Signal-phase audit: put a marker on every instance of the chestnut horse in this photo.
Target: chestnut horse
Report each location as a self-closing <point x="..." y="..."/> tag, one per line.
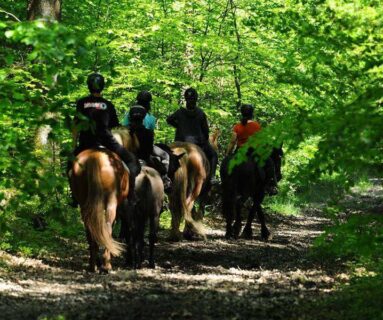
<point x="188" y="182"/>
<point x="100" y="182"/>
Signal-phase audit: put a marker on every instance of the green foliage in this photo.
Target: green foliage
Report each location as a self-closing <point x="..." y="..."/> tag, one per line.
<point x="361" y="299"/>
<point x="360" y="240"/>
<point x="312" y="69"/>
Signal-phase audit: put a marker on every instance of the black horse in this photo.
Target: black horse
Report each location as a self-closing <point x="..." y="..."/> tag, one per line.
<point x="246" y="180"/>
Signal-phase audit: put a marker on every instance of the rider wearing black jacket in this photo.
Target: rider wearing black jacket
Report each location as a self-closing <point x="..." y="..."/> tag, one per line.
<point x="94" y="120"/>
<point x="192" y="126"/>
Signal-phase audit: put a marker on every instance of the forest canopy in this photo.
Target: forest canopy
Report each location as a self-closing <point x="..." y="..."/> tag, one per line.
<point x="312" y="69"/>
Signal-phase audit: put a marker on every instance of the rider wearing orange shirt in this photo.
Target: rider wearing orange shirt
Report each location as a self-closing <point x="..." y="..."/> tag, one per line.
<point x="241" y="133"/>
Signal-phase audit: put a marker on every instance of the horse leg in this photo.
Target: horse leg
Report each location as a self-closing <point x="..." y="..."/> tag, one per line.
<point x="93" y="249"/>
<point x="110" y="217"/>
<point x="229" y="222"/>
<point x="126" y="213"/>
<point x="227" y="196"/>
<point x="188" y="232"/>
<point x="238" y="219"/>
<point x="247" y="232"/>
<point x="152" y="240"/>
<point x="265" y="233"/>
<point x="175" y="206"/>
<point x="140" y="231"/>
<point x="123" y="229"/>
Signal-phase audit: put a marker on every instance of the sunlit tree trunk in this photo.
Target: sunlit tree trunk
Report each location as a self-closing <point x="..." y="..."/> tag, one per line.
<point x="45" y="9"/>
<point x="236" y="68"/>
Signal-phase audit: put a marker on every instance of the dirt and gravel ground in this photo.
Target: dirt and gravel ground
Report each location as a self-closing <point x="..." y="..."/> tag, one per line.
<point x="217" y="279"/>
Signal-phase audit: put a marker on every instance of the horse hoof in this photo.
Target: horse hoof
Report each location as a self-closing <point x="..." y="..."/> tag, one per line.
<point x="266" y="235"/>
<point x="188" y="235"/>
<point x="174" y="238"/>
<point x="228" y="235"/>
<point x="247" y="234"/>
<point x="104" y="271"/>
<point x="91" y="269"/>
<point x="237" y="230"/>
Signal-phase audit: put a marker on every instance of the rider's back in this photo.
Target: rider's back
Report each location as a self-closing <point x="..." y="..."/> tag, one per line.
<point x="102" y="116"/>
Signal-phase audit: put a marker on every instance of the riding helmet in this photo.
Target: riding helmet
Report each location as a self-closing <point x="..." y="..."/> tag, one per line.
<point x="144" y="96"/>
<point x="137" y="113"/>
<point x="191" y="94"/>
<point x="247" y="111"/>
<point x="96" y="82"/>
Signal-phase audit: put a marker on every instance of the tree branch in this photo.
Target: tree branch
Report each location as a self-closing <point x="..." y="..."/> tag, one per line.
<point x="10" y="14"/>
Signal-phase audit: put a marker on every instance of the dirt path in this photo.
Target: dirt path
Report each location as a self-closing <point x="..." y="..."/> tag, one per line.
<point x="193" y="280"/>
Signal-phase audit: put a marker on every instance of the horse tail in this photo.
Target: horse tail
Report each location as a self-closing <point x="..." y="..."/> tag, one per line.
<point x="94" y="209"/>
<point x="145" y="194"/>
<point x="193" y="183"/>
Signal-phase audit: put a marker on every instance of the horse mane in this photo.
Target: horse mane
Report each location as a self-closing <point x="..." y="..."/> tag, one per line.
<point x="128" y="141"/>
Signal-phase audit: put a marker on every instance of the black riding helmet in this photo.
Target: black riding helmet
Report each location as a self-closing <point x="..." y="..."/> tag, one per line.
<point x="191" y="94"/>
<point x="137" y="114"/>
<point x="95" y="82"/>
<point x="247" y="111"/>
<point x="144" y="98"/>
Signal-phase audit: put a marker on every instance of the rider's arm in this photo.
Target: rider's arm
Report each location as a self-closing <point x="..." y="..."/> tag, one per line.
<point x="74" y="128"/>
<point x="173" y="119"/>
<point x="74" y="136"/>
<point x="113" y="120"/>
<point x="125" y="121"/>
<point x="205" y="127"/>
<point x="232" y="143"/>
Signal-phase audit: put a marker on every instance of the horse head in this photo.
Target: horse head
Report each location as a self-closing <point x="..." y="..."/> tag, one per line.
<point x="126" y="139"/>
<point x="213" y="138"/>
<point x="277" y="155"/>
<point x="174" y="164"/>
<point x="174" y="159"/>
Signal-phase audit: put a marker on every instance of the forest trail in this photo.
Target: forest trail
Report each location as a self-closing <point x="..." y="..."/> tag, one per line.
<point x="217" y="279"/>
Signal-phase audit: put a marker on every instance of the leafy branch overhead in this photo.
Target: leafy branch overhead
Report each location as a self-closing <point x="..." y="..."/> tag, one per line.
<point x="312" y="69"/>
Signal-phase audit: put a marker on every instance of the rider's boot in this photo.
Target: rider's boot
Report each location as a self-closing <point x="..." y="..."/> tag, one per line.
<point x="167" y="183"/>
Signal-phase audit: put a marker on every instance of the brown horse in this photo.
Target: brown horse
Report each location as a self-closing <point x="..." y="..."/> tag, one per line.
<point x="99" y="183"/>
<point x="188" y="182"/>
<point x="150" y="196"/>
<point x="123" y="137"/>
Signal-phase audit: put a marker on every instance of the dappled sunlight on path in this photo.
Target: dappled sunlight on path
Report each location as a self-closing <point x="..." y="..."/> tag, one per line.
<point x="209" y="279"/>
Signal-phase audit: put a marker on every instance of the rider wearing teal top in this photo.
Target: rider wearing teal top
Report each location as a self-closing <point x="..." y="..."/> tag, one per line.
<point x="149" y="121"/>
<point x="143" y="99"/>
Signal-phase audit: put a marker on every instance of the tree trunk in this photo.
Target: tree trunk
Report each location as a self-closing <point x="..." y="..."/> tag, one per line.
<point x="236" y="68"/>
<point x="45" y="9"/>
